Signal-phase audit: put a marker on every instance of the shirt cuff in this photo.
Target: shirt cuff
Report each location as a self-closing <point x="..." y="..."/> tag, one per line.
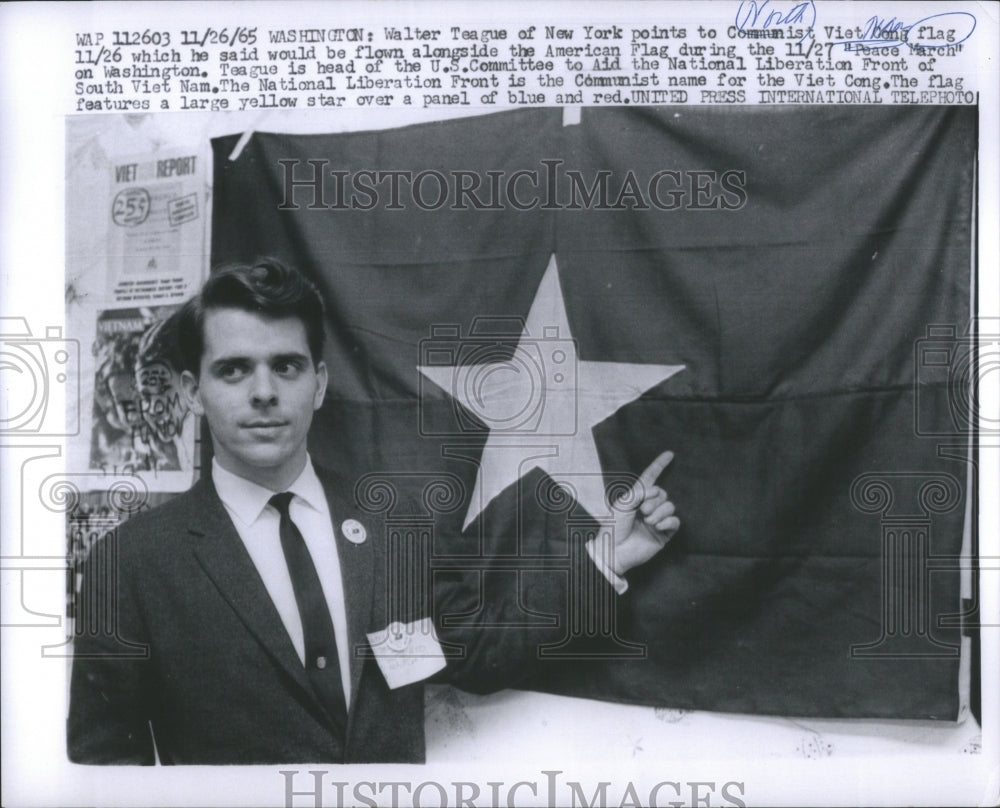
<point x="619" y="583"/>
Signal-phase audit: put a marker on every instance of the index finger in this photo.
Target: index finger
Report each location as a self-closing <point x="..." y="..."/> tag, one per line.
<point x="655" y="469"/>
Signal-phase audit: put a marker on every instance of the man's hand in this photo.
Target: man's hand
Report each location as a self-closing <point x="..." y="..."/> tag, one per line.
<point x="644" y="520"/>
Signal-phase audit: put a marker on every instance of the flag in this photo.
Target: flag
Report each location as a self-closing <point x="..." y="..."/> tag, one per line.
<point x="522" y="315"/>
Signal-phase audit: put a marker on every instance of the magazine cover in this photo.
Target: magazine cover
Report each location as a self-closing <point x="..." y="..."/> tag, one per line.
<point x="140" y="418"/>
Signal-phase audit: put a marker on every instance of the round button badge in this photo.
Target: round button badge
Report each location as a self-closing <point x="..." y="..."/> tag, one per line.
<point x="354" y="531"/>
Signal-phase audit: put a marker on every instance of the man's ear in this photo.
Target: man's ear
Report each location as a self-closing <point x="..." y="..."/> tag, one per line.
<point x="192" y="392"/>
<point x="322" y="378"/>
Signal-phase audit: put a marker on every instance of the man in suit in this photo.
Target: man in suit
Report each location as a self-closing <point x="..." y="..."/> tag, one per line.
<point x="246" y="620"/>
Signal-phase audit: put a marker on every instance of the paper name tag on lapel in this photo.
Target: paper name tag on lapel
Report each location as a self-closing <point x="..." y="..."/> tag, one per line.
<point x="407" y="652"/>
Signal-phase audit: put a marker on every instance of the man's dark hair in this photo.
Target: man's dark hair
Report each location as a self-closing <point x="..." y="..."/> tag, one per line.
<point x="266" y="287"/>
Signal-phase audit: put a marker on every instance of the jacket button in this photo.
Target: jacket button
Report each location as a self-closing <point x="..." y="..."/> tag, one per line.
<point x="321" y="662"/>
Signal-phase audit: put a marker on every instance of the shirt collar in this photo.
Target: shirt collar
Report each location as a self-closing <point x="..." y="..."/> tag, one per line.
<point x="247" y="500"/>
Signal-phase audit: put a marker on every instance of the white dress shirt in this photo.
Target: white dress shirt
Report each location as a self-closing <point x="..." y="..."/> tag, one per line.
<point x="257" y="524"/>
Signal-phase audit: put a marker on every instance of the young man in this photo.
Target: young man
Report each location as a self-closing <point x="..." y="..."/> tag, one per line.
<point x="251" y="622"/>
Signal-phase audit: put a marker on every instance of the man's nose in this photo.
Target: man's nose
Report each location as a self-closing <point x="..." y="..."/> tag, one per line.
<point x="263" y="391"/>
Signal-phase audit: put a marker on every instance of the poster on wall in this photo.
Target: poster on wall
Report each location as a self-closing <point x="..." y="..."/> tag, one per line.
<point x="156" y="224"/>
<point x="141" y="423"/>
<point x="138" y="224"/>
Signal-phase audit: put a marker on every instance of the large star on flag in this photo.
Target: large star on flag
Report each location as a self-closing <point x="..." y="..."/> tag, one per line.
<point x="541" y="404"/>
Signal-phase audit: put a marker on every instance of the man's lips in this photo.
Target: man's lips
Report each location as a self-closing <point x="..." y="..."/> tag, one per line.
<point x="264" y="424"/>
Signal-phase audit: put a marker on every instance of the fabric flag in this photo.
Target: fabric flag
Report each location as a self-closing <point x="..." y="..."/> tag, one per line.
<point x="779" y="296"/>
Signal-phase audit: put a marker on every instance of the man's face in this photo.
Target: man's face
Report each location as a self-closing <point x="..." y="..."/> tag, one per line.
<point x="258" y="390"/>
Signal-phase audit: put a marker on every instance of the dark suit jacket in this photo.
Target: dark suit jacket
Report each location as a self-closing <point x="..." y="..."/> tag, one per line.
<point x="177" y="634"/>
<point x="202" y="656"/>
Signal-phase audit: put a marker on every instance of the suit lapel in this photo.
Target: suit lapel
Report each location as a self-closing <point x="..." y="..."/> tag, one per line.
<point x="357" y="569"/>
<point x="223" y="556"/>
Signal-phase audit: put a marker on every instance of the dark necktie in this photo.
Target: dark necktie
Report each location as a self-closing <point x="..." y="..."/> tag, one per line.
<point x="322" y="661"/>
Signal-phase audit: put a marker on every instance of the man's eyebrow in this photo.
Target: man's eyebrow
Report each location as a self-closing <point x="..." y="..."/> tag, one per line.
<point x="292" y="356"/>
<point x="244" y="361"/>
<point x="224" y="361"/>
